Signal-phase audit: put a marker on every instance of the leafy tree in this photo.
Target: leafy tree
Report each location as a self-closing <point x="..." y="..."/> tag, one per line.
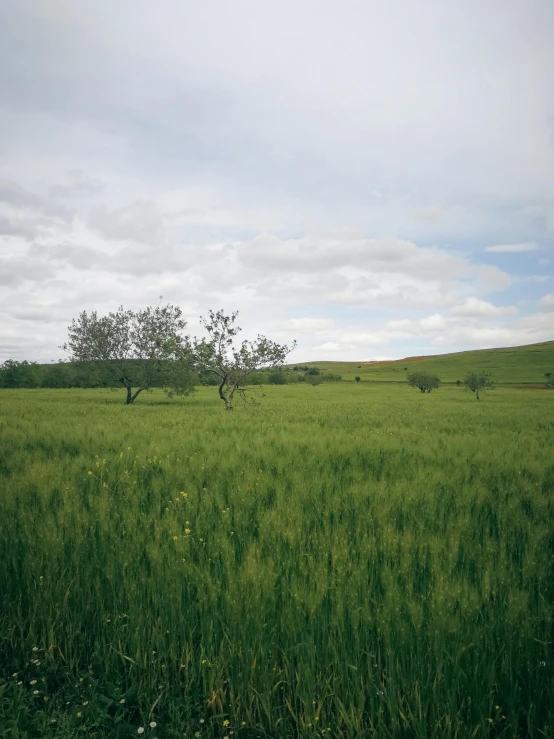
<point x="331" y="377"/>
<point x="313" y="371"/>
<point x="549" y="379"/>
<point x="230" y="362"/>
<point x="458" y="383"/>
<point x="425" y="381"/>
<point x="14" y="374"/>
<point x="277" y="378"/>
<point x="313" y="380"/>
<point x="477" y="382"/>
<point x="256" y="378"/>
<point x="139" y="349"/>
<point x="357" y="378"/>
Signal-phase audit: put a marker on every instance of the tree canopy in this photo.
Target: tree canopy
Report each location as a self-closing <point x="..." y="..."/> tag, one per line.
<point x="139" y="348"/>
<point x="478" y="381"/>
<point x="231" y="362"/>
<point x="425" y="381"/>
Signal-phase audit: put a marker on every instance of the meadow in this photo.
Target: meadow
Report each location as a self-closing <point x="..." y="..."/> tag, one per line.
<point x="515" y="365"/>
<point x="338" y="561"/>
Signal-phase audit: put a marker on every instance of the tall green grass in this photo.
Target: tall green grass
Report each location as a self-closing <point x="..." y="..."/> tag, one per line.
<point x="342" y="561"/>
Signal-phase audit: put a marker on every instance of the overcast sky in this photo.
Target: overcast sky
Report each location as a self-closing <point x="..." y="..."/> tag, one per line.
<point x="373" y="178"/>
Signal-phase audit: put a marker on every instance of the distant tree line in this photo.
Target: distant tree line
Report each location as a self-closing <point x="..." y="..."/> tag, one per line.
<point x="23" y="374"/>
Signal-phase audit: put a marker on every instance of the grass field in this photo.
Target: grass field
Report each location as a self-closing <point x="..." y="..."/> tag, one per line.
<point x="341" y="561"/>
<point x="513" y="365"/>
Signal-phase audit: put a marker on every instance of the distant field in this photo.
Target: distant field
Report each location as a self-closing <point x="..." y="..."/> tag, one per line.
<point x="343" y="561"/>
<point x="520" y="364"/>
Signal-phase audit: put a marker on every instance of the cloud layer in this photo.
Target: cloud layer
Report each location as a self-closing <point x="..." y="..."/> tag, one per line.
<point x="374" y="179"/>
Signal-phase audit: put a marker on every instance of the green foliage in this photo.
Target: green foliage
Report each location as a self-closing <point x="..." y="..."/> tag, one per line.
<point x="331" y="377"/>
<point x="425" y="381"/>
<point x="256" y="378"/>
<point x="357" y="378"/>
<point x="549" y="376"/>
<point x="140" y="349"/>
<point x="363" y="563"/>
<point x="277" y="377"/>
<point x="230" y="362"/>
<point x="477" y="382"/>
<point x="15" y="374"/>
<point x="313" y="380"/>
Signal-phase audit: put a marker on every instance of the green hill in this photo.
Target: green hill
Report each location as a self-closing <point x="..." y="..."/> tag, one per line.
<point x="515" y="364"/>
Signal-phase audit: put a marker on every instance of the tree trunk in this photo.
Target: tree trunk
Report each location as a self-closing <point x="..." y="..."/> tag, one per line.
<point x="227" y="399"/>
<point x="130" y="397"/>
<point x="136" y="393"/>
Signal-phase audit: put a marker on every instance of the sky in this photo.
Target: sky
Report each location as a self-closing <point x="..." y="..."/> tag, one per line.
<point x="373" y="179"/>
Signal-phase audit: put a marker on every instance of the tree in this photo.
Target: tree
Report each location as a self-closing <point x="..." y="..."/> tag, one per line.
<point x="357" y="378"/>
<point x="277" y="378"/>
<point x="14" y="374"/>
<point x="549" y="379"/>
<point x="313" y="380"/>
<point x="231" y="363"/>
<point x="425" y="381"/>
<point x="458" y="383"/>
<point x="478" y="382"/>
<point x="140" y="349"/>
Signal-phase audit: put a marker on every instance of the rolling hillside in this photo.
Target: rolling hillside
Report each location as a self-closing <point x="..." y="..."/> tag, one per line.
<point x="515" y="365"/>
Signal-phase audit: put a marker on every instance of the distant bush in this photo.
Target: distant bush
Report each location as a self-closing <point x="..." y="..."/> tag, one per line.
<point x="277" y="378"/>
<point x="313" y="380"/>
<point x="357" y="379"/>
<point x="258" y="378"/>
<point x="425" y="381"/>
<point x="477" y="382"/>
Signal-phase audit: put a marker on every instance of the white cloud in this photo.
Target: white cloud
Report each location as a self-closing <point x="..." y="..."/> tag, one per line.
<point x="493" y="278"/>
<point x="435" y="322"/>
<point x="475" y="308"/>
<point x="144" y="153"/>
<point x="354" y="341"/>
<point x="546" y="303"/>
<point x="513" y="248"/>
<point x="309" y="324"/>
